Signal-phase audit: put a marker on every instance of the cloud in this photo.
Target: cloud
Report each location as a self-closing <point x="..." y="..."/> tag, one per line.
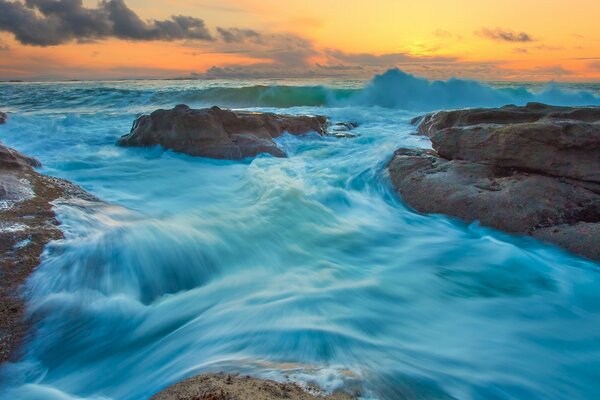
<point x="237" y="35"/>
<point x="54" y="22"/>
<point x="283" y="49"/>
<point x="504" y="35"/>
<point x="442" y="33"/>
<point x="541" y="47"/>
<point x="538" y="73"/>
<point x="595" y="66"/>
<point x="555" y="70"/>
<point x="387" y="60"/>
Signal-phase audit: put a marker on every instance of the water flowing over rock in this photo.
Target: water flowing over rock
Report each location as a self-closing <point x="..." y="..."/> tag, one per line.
<point x="233" y="387"/>
<point x="27" y="224"/>
<point x="218" y="133"/>
<point x="530" y="170"/>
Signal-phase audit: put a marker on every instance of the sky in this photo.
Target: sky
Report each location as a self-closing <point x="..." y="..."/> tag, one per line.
<point x="512" y="40"/>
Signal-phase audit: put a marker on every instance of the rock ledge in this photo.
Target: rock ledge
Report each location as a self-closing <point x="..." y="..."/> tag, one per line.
<point x="218" y="133"/>
<point x="531" y="170"/>
<point x="27" y="224"/>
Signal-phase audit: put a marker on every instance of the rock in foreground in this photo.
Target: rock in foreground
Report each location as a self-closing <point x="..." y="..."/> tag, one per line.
<point x="27" y="224"/>
<point x="531" y="170"/>
<point x="218" y="133"/>
<point x="229" y="387"/>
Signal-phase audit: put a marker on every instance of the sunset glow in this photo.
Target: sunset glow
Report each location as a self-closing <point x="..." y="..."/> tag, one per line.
<point x="480" y="39"/>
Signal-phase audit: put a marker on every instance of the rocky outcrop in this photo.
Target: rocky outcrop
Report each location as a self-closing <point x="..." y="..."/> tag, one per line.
<point x="27" y="224"/>
<point x="530" y="170"/>
<point x="558" y="141"/>
<point x="3" y="118"/>
<point x="235" y="387"/>
<point x="218" y="133"/>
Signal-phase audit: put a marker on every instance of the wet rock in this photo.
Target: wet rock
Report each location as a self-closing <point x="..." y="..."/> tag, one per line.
<point x="557" y="141"/>
<point x="344" y="126"/>
<point x="235" y="387"/>
<point x="27" y="224"/>
<point x="531" y="170"/>
<point x="3" y="117"/>
<point x="218" y="133"/>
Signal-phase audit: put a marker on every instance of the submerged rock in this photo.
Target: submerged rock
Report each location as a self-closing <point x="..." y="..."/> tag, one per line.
<point x="234" y="387"/>
<point x="218" y="133"/>
<point x="27" y="224"/>
<point x="531" y="170"/>
<point x="3" y="118"/>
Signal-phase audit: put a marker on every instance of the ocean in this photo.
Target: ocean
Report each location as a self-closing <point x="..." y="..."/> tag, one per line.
<point x="307" y="268"/>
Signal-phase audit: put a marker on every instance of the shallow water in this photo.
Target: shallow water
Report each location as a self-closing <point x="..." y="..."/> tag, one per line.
<point x="307" y="268"/>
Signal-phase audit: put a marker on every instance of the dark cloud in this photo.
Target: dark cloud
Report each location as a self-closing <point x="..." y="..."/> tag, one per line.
<point x="283" y="49"/>
<point x="54" y="22"/>
<point x="504" y="35"/>
<point x="236" y="35"/>
<point x="257" y="71"/>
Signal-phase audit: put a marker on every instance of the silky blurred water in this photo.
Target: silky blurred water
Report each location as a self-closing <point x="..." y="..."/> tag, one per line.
<point x="307" y="268"/>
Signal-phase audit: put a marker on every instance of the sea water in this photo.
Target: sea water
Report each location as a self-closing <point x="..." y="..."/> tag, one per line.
<point x="307" y="268"/>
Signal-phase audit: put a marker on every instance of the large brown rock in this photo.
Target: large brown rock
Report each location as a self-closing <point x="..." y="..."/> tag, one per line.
<point x="557" y="141"/>
<point x="27" y="224"/>
<point x="531" y="170"/>
<point x="218" y="133"/>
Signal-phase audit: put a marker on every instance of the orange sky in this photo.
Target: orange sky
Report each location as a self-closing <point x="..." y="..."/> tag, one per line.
<point x="481" y="39"/>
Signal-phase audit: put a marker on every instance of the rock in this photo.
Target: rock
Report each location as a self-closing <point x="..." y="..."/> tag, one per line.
<point x="513" y="202"/>
<point x="233" y="387"/>
<point x="531" y="170"/>
<point x="218" y="133"/>
<point x="27" y="224"/>
<point x="581" y="238"/>
<point x="557" y="141"/>
<point x="344" y="126"/>
<point x="342" y="130"/>
<point x="3" y="118"/>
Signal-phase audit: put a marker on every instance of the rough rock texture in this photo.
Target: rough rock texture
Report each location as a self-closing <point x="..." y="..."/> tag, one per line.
<point x="3" y="117"/>
<point x="531" y="170"/>
<point x="218" y="133"/>
<point x="558" y="141"/>
<point x="232" y="387"/>
<point x="27" y="224"/>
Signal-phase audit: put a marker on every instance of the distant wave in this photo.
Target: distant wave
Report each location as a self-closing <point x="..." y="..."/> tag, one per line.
<point x="392" y="89"/>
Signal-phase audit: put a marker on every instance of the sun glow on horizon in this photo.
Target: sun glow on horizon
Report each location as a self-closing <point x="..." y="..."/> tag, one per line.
<point x="512" y="40"/>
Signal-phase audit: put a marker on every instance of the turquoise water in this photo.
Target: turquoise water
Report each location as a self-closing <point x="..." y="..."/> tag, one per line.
<point x="307" y="268"/>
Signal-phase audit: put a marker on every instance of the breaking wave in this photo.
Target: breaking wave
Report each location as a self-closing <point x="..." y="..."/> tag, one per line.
<point x="393" y="89"/>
